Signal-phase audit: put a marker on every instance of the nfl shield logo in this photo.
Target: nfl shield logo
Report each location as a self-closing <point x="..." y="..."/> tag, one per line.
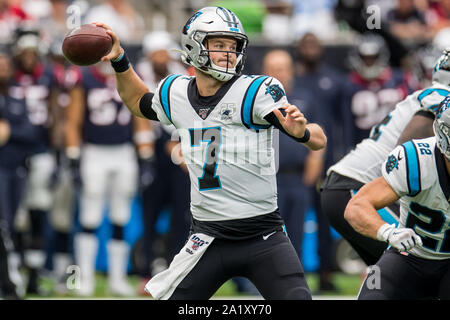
<point x="203" y="113"/>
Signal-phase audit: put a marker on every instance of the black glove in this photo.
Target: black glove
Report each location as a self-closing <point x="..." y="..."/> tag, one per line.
<point x="147" y="172"/>
<point x="74" y="167"/>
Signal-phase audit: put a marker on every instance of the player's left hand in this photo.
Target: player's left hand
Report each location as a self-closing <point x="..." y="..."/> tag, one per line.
<point x="294" y="122"/>
<point x="402" y="239"/>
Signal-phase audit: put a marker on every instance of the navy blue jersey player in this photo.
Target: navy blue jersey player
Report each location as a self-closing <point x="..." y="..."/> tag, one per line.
<point x="100" y="132"/>
<point x="374" y="88"/>
<point x="33" y="81"/>
<point x="17" y="135"/>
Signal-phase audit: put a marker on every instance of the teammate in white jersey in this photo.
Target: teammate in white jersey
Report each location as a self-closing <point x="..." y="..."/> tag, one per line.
<point x="417" y="173"/>
<point x="412" y="118"/>
<point x="225" y="123"/>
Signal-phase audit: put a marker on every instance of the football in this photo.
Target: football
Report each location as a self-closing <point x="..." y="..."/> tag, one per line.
<point x="86" y="45"/>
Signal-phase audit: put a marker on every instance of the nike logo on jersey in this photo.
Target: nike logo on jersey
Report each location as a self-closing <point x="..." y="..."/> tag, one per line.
<point x="268" y="83"/>
<point x="268" y="235"/>
<point x="398" y="157"/>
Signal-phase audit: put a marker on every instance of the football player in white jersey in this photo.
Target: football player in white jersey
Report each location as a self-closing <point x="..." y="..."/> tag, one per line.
<point x="225" y="121"/>
<point x="417" y="173"/>
<point x="412" y="118"/>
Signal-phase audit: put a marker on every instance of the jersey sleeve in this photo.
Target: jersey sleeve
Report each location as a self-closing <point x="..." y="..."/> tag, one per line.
<point x="270" y="95"/>
<point x="430" y="98"/>
<point x="161" y="100"/>
<point x="402" y="170"/>
<point x="394" y="171"/>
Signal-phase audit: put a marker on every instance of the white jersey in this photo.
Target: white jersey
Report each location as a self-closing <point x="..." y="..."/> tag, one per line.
<point x="416" y="171"/>
<point x="363" y="163"/>
<point x="228" y="151"/>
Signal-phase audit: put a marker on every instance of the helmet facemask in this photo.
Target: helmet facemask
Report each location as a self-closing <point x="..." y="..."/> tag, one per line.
<point x="371" y="47"/>
<point x="225" y="73"/>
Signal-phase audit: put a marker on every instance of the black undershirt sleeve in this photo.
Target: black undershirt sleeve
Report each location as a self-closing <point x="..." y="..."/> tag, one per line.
<point x="145" y="105"/>
<point x="273" y="120"/>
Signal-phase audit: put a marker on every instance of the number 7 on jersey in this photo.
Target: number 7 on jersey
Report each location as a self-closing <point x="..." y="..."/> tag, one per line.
<point x="213" y="136"/>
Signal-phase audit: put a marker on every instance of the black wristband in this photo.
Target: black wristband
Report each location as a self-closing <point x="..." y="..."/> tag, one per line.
<point x="122" y="64"/>
<point x="305" y="138"/>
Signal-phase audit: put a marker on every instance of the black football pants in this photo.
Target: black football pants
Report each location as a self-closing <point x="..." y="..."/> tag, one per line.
<point x="333" y="206"/>
<point x="400" y="277"/>
<point x="272" y="265"/>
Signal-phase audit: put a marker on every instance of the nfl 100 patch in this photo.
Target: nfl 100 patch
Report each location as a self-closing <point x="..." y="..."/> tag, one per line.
<point x="391" y="164"/>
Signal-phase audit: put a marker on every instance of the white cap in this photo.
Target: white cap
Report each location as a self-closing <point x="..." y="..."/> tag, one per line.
<point x="442" y="39"/>
<point x="159" y="40"/>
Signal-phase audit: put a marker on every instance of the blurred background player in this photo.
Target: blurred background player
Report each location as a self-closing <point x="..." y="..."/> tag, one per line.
<point x="412" y="118"/>
<point x="120" y="15"/>
<point x="374" y="86"/>
<point x="17" y="136"/>
<point x="169" y="188"/>
<point x="99" y="145"/>
<point x="11" y="16"/>
<point x="325" y="84"/>
<point x="61" y="215"/>
<point x="295" y="172"/>
<point x="54" y="26"/>
<point x="33" y="81"/>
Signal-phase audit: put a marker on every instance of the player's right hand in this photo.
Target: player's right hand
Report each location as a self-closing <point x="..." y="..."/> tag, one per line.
<point x="116" y="50"/>
<point x="403" y="239"/>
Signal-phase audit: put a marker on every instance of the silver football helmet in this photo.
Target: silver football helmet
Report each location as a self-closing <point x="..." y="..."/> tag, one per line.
<point x="441" y="71"/>
<point x="208" y="22"/>
<point x="370" y="56"/>
<point x="441" y="127"/>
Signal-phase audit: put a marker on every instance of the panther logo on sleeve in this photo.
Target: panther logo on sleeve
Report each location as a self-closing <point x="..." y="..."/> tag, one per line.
<point x="275" y="91"/>
<point x="391" y="164"/>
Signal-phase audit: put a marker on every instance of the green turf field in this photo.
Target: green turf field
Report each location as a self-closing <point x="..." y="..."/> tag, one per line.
<point x="347" y="285"/>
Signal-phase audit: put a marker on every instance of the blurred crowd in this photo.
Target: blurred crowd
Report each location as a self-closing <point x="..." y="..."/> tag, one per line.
<point x="69" y="148"/>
